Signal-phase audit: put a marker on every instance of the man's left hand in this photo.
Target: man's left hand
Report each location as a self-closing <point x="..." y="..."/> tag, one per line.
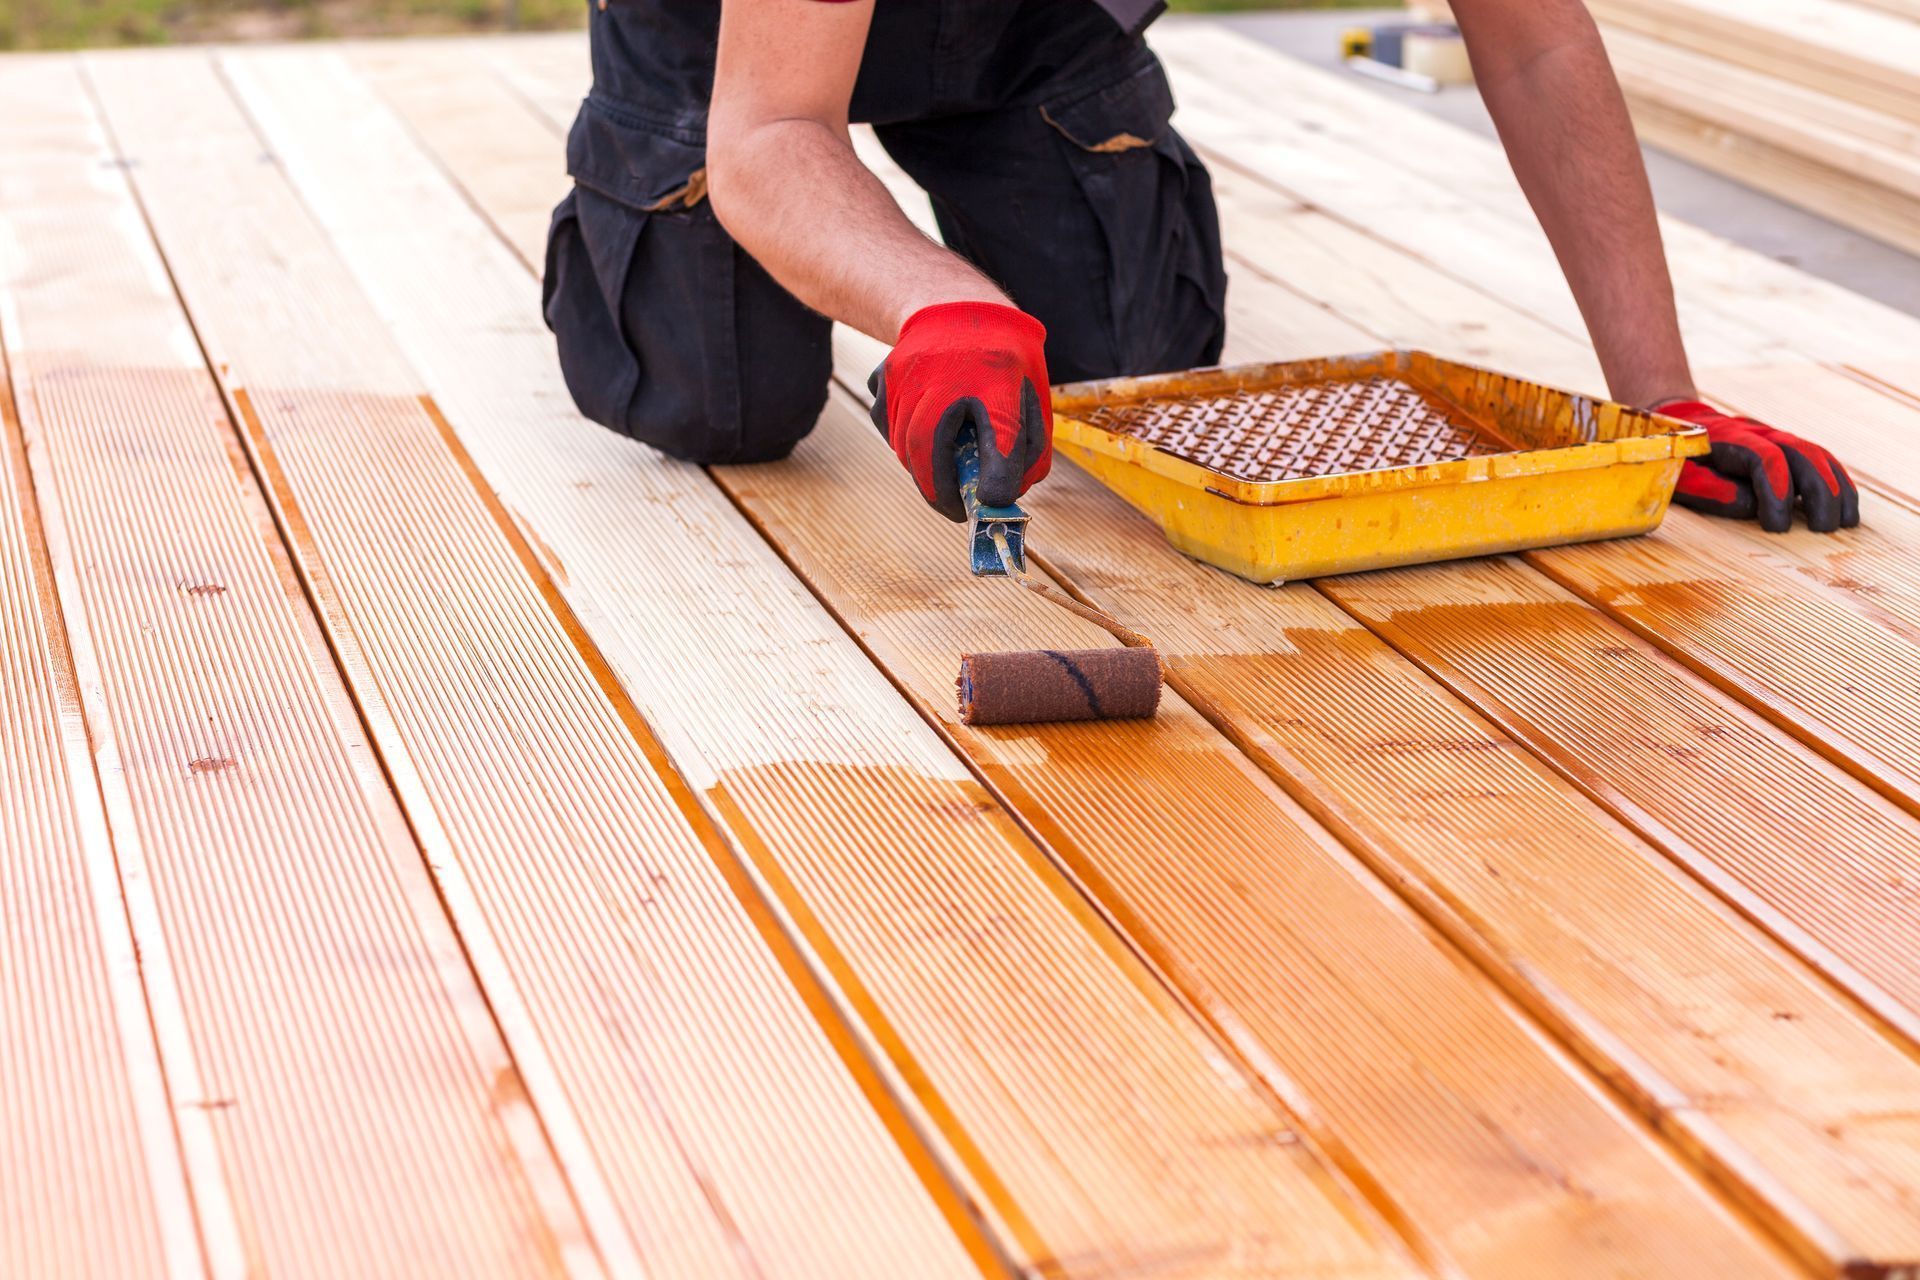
<point x="1756" y="471"/>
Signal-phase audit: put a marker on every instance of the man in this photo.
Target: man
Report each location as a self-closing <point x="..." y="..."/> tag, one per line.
<point x="720" y="220"/>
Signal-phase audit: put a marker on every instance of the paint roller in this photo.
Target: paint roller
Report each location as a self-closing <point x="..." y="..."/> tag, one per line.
<point x="1041" y="685"/>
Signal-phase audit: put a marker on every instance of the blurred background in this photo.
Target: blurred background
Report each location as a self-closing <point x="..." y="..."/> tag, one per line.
<point x="68" y="24"/>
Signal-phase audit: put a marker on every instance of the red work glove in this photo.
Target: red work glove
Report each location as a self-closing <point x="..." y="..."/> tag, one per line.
<point x="961" y="364"/>
<point x="1755" y="470"/>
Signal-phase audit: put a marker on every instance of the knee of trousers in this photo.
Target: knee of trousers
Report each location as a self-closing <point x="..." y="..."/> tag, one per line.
<point x="669" y="333"/>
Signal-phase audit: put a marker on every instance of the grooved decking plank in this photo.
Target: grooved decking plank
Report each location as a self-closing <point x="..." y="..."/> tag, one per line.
<point x="1399" y="301"/>
<point x="1657" y="987"/>
<point x="1811" y="852"/>
<point x="1102" y="1129"/>
<point x="1881" y="581"/>
<point x="1833" y="665"/>
<point x="1449" y="196"/>
<point x="1798" y="653"/>
<point x="92" y="1180"/>
<point x="1401" y="1052"/>
<point x="1820" y="1205"/>
<point x="1169" y="852"/>
<point x="357" y="1110"/>
<point x="689" y="1086"/>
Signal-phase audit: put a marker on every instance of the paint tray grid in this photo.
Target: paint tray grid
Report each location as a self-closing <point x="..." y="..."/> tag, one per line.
<point x="1306" y="429"/>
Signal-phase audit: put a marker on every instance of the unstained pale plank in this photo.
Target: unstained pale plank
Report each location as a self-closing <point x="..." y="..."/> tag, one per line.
<point x="239" y="785"/>
<point x="92" y="1179"/>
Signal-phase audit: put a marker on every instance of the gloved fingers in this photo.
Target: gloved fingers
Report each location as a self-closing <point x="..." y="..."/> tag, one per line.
<point x="1760" y="465"/>
<point x="877" y="385"/>
<point x="1827" y="495"/>
<point x="1018" y="451"/>
<point x="1819" y="495"/>
<point x="935" y="464"/>
<point x="1849" y="497"/>
<point x="1036" y="418"/>
<point x="1706" y="490"/>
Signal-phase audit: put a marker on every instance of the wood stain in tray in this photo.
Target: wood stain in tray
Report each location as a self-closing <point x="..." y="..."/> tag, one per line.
<point x="1348" y="463"/>
<point x="1306" y="429"/>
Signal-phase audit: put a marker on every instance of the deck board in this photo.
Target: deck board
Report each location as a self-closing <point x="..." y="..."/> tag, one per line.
<point x="1175" y="902"/>
<point x="1013" y="1015"/>
<point x="1787" y="837"/>
<point x="230" y="744"/>
<point x="687" y="1084"/>
<point x="1397" y="1049"/>
<point x="1850" y="914"/>
<point x="1798" y="653"/>
<point x="1771" y="1064"/>
<point x="85" y="1122"/>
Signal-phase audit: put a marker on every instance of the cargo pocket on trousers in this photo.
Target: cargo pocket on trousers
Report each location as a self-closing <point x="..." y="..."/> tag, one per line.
<point x="669" y="332"/>
<point x="581" y="296"/>
<point x="627" y="255"/>
<point x="1153" y="202"/>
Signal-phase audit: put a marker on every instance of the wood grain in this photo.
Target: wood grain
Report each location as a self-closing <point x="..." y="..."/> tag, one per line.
<point x="86" y="1124"/>
<point x="1430" y="188"/>
<point x="1855" y="165"/>
<point x="675" y="1057"/>
<point x="1011" y="1015"/>
<point x="1830" y="45"/>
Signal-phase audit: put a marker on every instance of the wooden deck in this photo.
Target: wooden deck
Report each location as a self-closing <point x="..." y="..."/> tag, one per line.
<point x="441" y="837"/>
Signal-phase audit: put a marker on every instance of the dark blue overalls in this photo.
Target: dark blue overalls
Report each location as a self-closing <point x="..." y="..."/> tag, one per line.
<point x="1039" y="129"/>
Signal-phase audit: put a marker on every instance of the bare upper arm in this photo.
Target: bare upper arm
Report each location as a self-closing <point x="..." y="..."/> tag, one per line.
<point x="786" y="60"/>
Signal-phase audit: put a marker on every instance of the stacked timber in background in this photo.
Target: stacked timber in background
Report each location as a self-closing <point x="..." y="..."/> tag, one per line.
<point x="1814" y="101"/>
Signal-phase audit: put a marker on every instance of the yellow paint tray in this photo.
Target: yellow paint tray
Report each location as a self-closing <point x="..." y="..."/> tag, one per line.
<point x="1287" y="471"/>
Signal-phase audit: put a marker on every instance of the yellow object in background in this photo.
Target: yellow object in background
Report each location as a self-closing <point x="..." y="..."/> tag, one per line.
<point x="1356" y="42"/>
<point x="1439" y="53"/>
<point x="1578" y="470"/>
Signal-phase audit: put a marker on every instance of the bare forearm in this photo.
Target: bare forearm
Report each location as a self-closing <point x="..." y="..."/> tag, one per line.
<point x="797" y="198"/>
<point x="1559" y="110"/>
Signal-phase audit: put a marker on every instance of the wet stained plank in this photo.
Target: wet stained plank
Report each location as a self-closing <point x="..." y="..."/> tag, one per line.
<point x="688" y="1072"/>
<point x="1800" y="654"/>
<point x="1831" y="921"/>
<point x="1872" y="565"/>
<point x="92" y="1179"/>
<point x="1664" y="992"/>
<point x="1793" y="841"/>
<point x="1402" y="1054"/>
<point x="1012" y="1019"/>
<point x="1691" y="1048"/>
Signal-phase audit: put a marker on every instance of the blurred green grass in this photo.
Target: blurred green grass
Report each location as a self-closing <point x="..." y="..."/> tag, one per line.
<point x="69" y="24"/>
<point x="72" y="24"/>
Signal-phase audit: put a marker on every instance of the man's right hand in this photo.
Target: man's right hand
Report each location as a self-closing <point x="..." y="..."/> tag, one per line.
<point x="959" y="365"/>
